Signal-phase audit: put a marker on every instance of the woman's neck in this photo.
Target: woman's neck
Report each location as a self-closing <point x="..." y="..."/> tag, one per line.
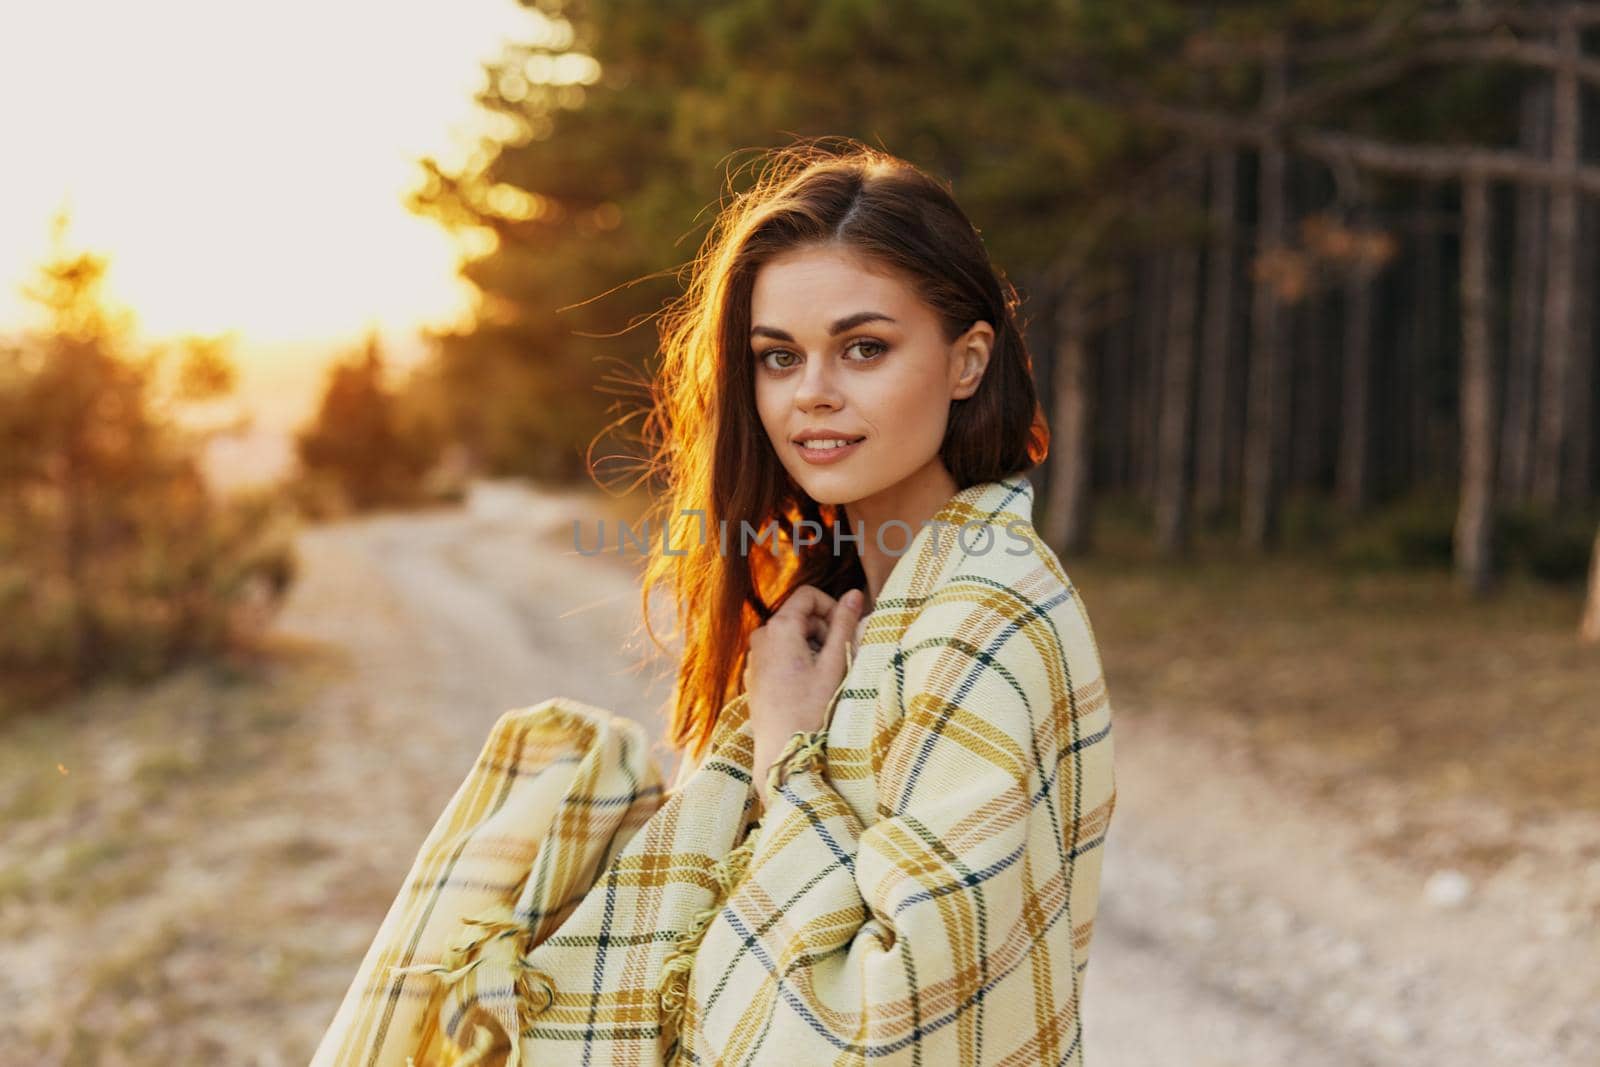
<point x="912" y="501"/>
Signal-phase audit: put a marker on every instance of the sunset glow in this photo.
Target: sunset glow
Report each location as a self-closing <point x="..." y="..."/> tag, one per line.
<point x="243" y="165"/>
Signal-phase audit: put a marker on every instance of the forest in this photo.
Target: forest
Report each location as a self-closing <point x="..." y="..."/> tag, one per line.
<point x="1288" y="268"/>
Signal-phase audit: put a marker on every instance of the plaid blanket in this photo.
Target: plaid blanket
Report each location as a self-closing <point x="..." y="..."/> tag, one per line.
<point x="920" y="887"/>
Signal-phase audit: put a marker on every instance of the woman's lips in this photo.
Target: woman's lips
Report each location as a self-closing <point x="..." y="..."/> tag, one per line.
<point x="827" y="455"/>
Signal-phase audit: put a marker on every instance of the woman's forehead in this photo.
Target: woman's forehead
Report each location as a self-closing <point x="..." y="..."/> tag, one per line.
<point x="817" y="286"/>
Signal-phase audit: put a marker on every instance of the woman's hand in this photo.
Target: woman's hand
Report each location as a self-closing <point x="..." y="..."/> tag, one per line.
<point x="796" y="661"/>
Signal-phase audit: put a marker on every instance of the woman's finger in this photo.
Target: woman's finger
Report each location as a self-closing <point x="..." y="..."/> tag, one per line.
<point x="806" y="600"/>
<point x="809" y="608"/>
<point x="816" y="631"/>
<point x="841" y="629"/>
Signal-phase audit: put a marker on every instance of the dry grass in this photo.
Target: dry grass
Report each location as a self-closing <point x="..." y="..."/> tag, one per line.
<point x="125" y="868"/>
<point x="1391" y="674"/>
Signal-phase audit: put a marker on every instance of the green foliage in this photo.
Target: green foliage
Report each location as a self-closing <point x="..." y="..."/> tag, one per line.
<point x="361" y="451"/>
<point x="1054" y="124"/>
<point x="1416" y="531"/>
<point x="598" y="190"/>
<point x="1555" y="548"/>
<point x="115" y="557"/>
<point x="1310" y="521"/>
<point x="618" y="181"/>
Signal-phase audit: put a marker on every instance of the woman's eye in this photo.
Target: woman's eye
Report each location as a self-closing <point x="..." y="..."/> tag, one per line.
<point x="770" y="358"/>
<point x="765" y="357"/>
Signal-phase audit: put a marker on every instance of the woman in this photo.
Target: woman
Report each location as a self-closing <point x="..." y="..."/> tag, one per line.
<point x="885" y="839"/>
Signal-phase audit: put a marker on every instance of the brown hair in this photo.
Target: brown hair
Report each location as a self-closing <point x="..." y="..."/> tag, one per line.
<point x="706" y="438"/>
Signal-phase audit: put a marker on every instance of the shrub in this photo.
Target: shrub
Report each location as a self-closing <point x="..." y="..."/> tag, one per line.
<point x="116" y="558"/>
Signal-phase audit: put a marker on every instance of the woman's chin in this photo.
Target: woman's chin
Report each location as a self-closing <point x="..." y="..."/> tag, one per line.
<point x="831" y="487"/>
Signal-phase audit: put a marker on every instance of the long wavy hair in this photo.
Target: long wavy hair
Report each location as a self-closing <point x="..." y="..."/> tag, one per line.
<point x="707" y="444"/>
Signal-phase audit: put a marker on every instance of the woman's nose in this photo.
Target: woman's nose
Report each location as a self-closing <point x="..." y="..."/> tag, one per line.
<point x="817" y="384"/>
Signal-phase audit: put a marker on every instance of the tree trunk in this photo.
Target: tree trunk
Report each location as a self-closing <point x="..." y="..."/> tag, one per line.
<point x="1527" y="282"/>
<point x="1475" y="516"/>
<point x="1264" y="406"/>
<point x="1589" y="628"/>
<point x="1580" y="465"/>
<point x="1067" y="516"/>
<point x="1565" y="129"/>
<point x="1117" y="375"/>
<point x="1147" y="392"/>
<point x="1355" y="427"/>
<point x="1176" y="419"/>
<point x="1308" y="409"/>
<point x="1428" y="466"/>
<point x="1215" y="412"/>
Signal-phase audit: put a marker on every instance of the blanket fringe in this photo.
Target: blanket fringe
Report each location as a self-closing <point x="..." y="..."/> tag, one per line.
<point x="806" y="748"/>
<point x="495" y="922"/>
<point x="673" y="987"/>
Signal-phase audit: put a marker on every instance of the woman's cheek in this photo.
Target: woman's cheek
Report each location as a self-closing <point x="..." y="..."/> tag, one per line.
<point x="922" y="422"/>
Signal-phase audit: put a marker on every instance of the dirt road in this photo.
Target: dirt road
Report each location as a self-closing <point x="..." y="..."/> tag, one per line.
<point x="1241" y="924"/>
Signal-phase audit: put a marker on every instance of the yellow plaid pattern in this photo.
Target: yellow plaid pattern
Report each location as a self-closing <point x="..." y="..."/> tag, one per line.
<point x="921" y="888"/>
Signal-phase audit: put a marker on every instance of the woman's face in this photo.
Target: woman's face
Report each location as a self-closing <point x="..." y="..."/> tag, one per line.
<point x="846" y="349"/>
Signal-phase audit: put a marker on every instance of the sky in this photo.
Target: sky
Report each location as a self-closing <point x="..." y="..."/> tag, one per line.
<point x="243" y="165"/>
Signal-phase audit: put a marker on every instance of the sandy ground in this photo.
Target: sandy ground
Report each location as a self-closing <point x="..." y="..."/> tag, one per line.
<point x="1243" y="922"/>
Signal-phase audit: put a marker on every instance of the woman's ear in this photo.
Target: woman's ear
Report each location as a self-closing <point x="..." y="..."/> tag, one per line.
<point x="969" y="359"/>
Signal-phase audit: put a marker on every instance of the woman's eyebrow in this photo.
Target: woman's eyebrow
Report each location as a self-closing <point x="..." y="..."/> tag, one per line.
<point x="837" y="328"/>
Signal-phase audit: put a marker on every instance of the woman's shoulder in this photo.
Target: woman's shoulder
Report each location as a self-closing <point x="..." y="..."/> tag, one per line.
<point x="1007" y="569"/>
<point x="1008" y="607"/>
